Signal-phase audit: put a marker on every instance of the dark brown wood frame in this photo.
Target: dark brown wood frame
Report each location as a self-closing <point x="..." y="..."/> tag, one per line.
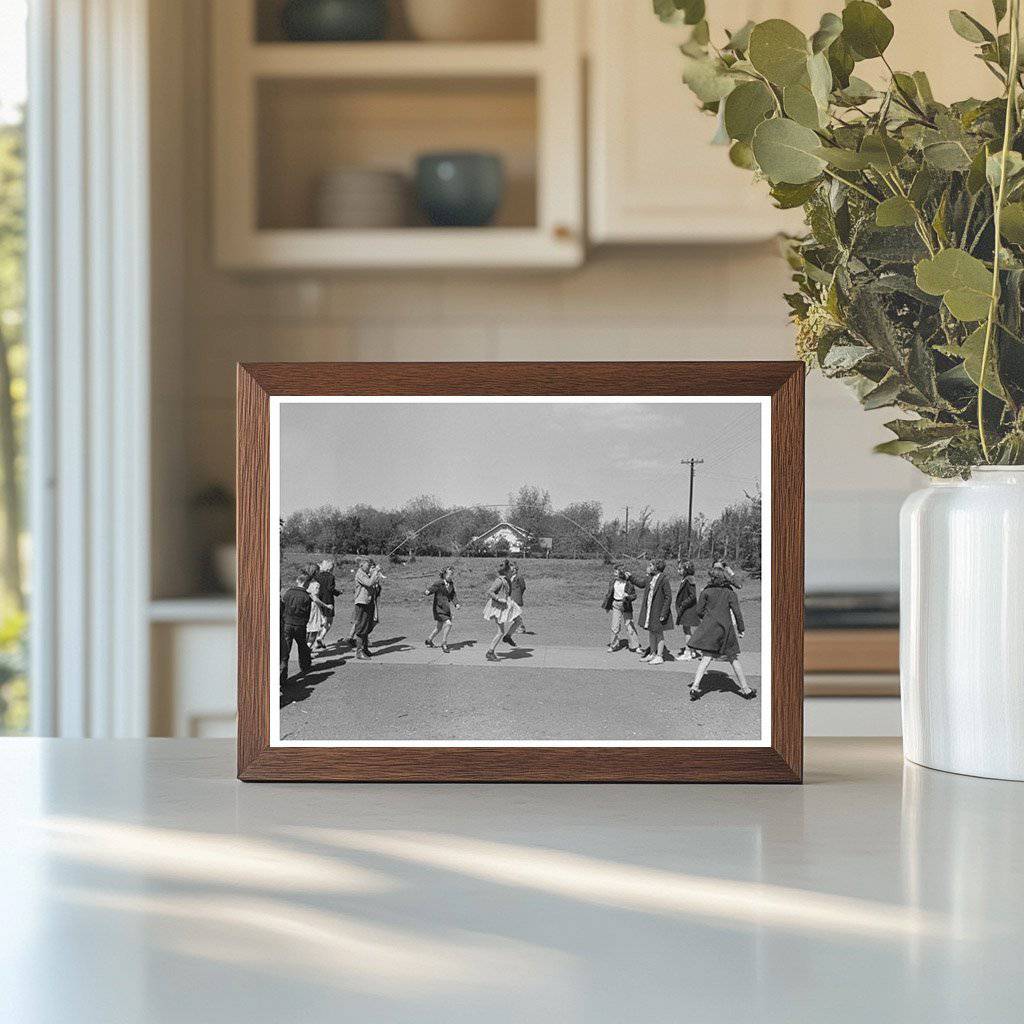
<point x="782" y="761"/>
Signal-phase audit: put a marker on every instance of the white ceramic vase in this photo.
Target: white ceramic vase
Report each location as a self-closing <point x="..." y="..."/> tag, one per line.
<point x="962" y="624"/>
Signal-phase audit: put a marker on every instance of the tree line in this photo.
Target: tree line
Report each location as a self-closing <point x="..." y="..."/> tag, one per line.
<point x="424" y="526"/>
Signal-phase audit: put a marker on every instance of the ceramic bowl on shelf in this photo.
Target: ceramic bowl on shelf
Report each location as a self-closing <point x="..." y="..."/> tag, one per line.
<point x="334" y="21"/>
<point x="362" y="197"/>
<point x="471" y="20"/>
<point x="460" y="189"/>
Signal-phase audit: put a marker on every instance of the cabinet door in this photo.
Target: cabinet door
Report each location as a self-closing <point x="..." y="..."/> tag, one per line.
<point x="654" y="176"/>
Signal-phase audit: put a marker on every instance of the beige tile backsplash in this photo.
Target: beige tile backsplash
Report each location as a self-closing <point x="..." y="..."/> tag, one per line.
<point x="717" y="302"/>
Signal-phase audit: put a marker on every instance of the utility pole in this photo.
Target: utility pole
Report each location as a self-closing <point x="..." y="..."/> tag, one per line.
<point x="692" y="463"/>
<point x="627" y="526"/>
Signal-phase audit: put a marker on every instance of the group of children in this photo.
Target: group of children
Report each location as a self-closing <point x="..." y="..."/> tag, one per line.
<point x="307" y="611"/>
<point x="712" y="622"/>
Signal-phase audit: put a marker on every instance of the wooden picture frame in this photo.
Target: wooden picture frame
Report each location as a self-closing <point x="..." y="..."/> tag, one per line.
<point x="779" y="760"/>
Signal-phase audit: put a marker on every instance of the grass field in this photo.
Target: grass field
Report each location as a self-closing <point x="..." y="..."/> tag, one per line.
<point x="562" y="605"/>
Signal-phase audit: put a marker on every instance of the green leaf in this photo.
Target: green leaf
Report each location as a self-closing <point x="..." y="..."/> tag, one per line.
<point x="976" y="173"/>
<point x="885" y="394"/>
<point x="690" y="12"/>
<point x="971" y="351"/>
<point x="829" y="30"/>
<point x="844" y="159"/>
<point x="788" y="196"/>
<point x="895" y="212"/>
<point x="707" y="78"/>
<point x="841" y="63"/>
<point x="745" y="108"/>
<point x="819" y="74"/>
<point x="741" y="155"/>
<point x="787" y="152"/>
<point x="1012" y="224"/>
<point x="895" y="447"/>
<point x="739" y="41"/>
<point x="801" y="106"/>
<point x="923" y="431"/>
<point x="969" y="28"/>
<point x="922" y="185"/>
<point x="866" y="29"/>
<point x="857" y="91"/>
<point x="993" y="167"/>
<point x="779" y="51"/>
<point x="999" y="9"/>
<point x="924" y="88"/>
<point x="883" y="152"/>
<point x="963" y="281"/>
<point x="947" y="156"/>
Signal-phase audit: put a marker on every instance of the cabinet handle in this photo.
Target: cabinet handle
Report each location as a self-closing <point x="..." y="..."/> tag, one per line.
<point x="562" y="232"/>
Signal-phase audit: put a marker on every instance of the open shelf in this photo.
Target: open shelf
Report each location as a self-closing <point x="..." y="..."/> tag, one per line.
<point x="287" y="114"/>
<point x="309" y="127"/>
<point x="520" y="22"/>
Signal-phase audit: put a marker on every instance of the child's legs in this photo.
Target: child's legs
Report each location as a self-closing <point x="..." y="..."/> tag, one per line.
<point x="741" y="678"/>
<point x="437" y="629"/>
<point x="632" y="636"/>
<point x="446" y="628"/>
<point x="705" y="661"/>
<point x="616" y="625"/>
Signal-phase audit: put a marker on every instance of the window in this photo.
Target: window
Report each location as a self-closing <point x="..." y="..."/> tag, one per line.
<point x="14" y="694"/>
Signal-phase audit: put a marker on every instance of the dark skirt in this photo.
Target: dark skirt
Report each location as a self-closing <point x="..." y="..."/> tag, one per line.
<point x="715" y="639"/>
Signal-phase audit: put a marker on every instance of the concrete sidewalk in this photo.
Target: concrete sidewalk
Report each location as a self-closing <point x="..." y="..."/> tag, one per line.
<point x="528" y="653"/>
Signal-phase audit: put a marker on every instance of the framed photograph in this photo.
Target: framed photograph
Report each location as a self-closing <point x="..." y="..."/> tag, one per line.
<point x="520" y="571"/>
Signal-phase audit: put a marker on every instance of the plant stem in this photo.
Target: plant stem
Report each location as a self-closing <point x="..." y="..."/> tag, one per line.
<point x="1011" y="108"/>
<point x="853" y="185"/>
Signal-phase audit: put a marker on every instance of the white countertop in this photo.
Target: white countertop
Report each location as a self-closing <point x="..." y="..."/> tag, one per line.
<point x="140" y="882"/>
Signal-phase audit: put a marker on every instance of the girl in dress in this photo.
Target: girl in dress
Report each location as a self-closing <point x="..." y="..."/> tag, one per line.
<point x="502" y="610"/>
<point x="717" y="634"/>
<point x="317" y="625"/>
<point x="686" y="607"/>
<point x="443" y="591"/>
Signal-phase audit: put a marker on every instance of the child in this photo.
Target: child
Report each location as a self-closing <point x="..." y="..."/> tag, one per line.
<point x="655" y="610"/>
<point x="717" y="634"/>
<point x="317" y="625"/>
<point x="445" y="599"/>
<point x="619" y="601"/>
<point x="365" y="605"/>
<point x="686" y="607"/>
<point x="295" y="610"/>
<point x="501" y="610"/>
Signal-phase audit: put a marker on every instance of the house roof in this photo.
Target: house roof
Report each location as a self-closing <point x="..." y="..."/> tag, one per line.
<point x="502" y="526"/>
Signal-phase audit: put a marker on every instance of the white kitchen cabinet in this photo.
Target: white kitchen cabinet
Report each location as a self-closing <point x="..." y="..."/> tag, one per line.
<point x="653" y="177"/>
<point x="286" y="114"/>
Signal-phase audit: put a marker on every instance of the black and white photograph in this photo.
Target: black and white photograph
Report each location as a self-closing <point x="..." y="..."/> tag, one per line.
<point x="520" y="570"/>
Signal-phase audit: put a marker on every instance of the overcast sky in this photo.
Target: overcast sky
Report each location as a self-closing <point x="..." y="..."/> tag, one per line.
<point x="383" y="454"/>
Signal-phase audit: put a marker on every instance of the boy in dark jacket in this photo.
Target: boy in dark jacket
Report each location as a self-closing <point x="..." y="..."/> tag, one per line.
<point x="296" y="604"/>
<point x="619" y="601"/>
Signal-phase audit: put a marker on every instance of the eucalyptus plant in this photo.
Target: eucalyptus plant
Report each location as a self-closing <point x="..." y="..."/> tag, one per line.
<point x="910" y="277"/>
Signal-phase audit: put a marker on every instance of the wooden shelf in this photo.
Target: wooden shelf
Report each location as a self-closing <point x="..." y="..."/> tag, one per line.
<point x="393" y="60"/>
<point x="318" y="248"/>
<point x="284" y="114"/>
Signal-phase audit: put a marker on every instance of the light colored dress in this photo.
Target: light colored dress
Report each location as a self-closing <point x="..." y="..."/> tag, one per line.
<point x="502" y="610"/>
<point x="316" y="613"/>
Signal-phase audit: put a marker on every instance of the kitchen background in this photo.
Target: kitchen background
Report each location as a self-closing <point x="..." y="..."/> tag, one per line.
<point x="624" y="236"/>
